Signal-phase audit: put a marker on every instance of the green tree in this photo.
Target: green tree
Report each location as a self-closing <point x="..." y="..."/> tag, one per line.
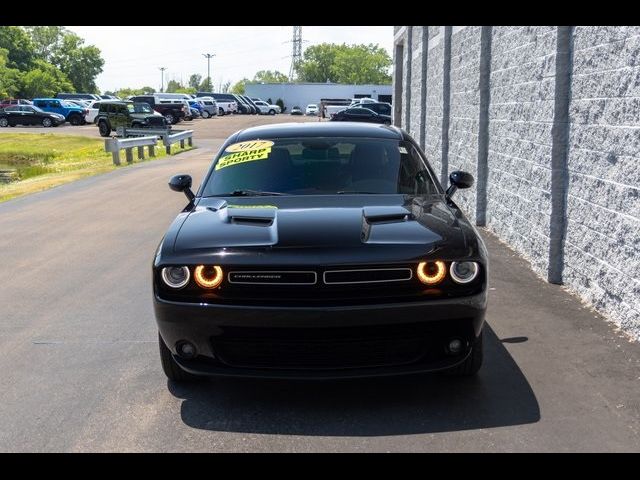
<point x="20" y="48"/>
<point x="194" y="80"/>
<point x="268" y="76"/>
<point x="173" y="86"/>
<point x="239" y="87"/>
<point x="47" y="40"/>
<point x="206" y="85"/>
<point x="129" y="92"/>
<point x="10" y="78"/>
<point x="355" y="64"/>
<point x="45" y="80"/>
<point x="82" y="64"/>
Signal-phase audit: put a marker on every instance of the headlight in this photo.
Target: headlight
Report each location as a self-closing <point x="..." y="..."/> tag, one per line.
<point x="464" y="272"/>
<point x="176" y="277"/>
<point x="431" y="273"/>
<point x="208" y="276"/>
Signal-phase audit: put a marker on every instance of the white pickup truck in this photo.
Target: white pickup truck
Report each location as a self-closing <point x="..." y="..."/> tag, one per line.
<point x="224" y="106"/>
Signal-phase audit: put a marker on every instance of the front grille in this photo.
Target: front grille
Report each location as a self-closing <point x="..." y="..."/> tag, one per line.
<point x="367" y="275"/>
<point x="320" y="348"/>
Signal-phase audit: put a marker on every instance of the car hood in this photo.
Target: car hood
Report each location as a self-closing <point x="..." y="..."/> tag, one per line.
<point x="338" y="229"/>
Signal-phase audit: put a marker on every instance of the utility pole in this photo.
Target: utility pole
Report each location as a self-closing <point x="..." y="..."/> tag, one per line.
<point x="162" y="69"/>
<point x="208" y="56"/>
<point x="296" y="54"/>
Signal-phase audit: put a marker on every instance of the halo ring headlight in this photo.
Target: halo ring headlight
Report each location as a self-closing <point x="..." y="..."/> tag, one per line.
<point x="464" y="272"/>
<point x="208" y="276"/>
<point x="176" y="277"/>
<point x="431" y="273"/>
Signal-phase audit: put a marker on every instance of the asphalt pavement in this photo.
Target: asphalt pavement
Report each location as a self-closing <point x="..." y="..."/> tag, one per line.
<point x="81" y="371"/>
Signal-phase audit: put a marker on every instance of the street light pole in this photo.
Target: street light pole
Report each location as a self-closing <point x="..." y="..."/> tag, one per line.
<point x="208" y="56"/>
<point x="162" y="69"/>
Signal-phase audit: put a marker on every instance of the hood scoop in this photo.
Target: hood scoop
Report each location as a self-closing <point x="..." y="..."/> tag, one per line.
<point x="254" y="215"/>
<point x="393" y="225"/>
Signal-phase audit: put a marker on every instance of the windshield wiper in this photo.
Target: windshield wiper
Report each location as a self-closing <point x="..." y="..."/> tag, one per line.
<point x="353" y="192"/>
<point x="248" y="193"/>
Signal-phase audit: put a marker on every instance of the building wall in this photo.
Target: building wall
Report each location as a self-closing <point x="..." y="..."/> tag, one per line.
<point x="602" y="254"/>
<point x="302" y="94"/>
<point x="552" y="135"/>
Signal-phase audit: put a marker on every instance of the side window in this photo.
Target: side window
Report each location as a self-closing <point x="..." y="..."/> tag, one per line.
<point x="385" y="110"/>
<point x="54" y="103"/>
<point x="122" y="110"/>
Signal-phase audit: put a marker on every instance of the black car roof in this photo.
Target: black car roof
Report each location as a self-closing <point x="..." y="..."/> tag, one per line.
<point x="320" y="129"/>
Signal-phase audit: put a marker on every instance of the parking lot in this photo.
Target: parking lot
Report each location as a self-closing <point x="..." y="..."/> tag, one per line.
<point x="81" y="370"/>
<point x="204" y="130"/>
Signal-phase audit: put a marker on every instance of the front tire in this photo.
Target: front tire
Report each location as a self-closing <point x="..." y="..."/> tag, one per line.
<point x="46" y="122"/>
<point x="272" y="112"/>
<point x="4" y="122"/>
<point x="170" y="118"/>
<point x="472" y="363"/>
<point x="205" y="114"/>
<point x="221" y="111"/>
<point x="171" y="369"/>
<point x="75" y="120"/>
<point x="104" y="129"/>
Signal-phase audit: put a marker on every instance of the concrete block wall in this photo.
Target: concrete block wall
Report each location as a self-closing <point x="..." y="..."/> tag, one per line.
<point x="465" y="107"/>
<point x="602" y="247"/>
<point x="434" y="101"/>
<point x="548" y="120"/>
<point x="522" y="86"/>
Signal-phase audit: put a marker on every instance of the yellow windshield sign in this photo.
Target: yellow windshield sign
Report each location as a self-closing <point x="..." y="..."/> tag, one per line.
<point x="242" y="156"/>
<point x="249" y="146"/>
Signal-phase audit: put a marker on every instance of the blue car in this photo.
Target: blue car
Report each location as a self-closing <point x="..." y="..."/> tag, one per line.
<point x="197" y="107"/>
<point x="71" y="112"/>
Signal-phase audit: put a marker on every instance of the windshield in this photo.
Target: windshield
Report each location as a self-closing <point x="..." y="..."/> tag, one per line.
<point x="321" y="166"/>
<point x="139" y="108"/>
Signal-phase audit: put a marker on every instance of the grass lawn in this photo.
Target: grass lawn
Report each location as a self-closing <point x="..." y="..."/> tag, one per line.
<point x="31" y="162"/>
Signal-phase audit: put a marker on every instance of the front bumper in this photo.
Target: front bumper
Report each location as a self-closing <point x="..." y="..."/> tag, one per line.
<point x="205" y="325"/>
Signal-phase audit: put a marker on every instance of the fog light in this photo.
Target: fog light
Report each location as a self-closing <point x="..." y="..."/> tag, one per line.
<point x="455" y="346"/>
<point x="431" y="273"/>
<point x="464" y="272"/>
<point x="186" y="349"/>
<point x="208" y="276"/>
<point x="175" y="277"/>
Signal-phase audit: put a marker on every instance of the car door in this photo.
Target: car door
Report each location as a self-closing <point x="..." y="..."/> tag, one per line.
<point x="14" y="116"/>
<point x="28" y="116"/>
<point x="55" y="106"/>
<point x="357" y="115"/>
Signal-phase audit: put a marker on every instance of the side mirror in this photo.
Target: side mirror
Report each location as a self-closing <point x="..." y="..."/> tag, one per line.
<point x="182" y="183"/>
<point x="459" y="179"/>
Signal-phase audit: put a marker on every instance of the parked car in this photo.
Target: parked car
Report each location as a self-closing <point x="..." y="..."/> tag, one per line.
<point x="8" y="102"/>
<point x="113" y="114"/>
<point x="359" y="114"/>
<point x="78" y="96"/>
<point x="92" y="111"/>
<point x="243" y="106"/>
<point x="361" y="101"/>
<point x="173" y="110"/>
<point x="254" y="107"/>
<point x="72" y="113"/>
<point x="227" y="102"/>
<point x="266" y="108"/>
<point x="296" y="111"/>
<point x="312" y="109"/>
<point x="210" y="107"/>
<point x="28" y="115"/>
<point x="382" y="108"/>
<point x="320" y="250"/>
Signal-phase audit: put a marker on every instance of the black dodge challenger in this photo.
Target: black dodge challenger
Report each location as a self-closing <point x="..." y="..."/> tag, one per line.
<point x="320" y="250"/>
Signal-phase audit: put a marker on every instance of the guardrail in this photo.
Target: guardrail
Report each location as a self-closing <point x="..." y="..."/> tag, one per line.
<point x="126" y="132"/>
<point x="114" y="145"/>
<point x="177" y="137"/>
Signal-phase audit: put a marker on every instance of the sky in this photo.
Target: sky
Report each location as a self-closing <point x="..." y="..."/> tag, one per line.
<point x="134" y="55"/>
